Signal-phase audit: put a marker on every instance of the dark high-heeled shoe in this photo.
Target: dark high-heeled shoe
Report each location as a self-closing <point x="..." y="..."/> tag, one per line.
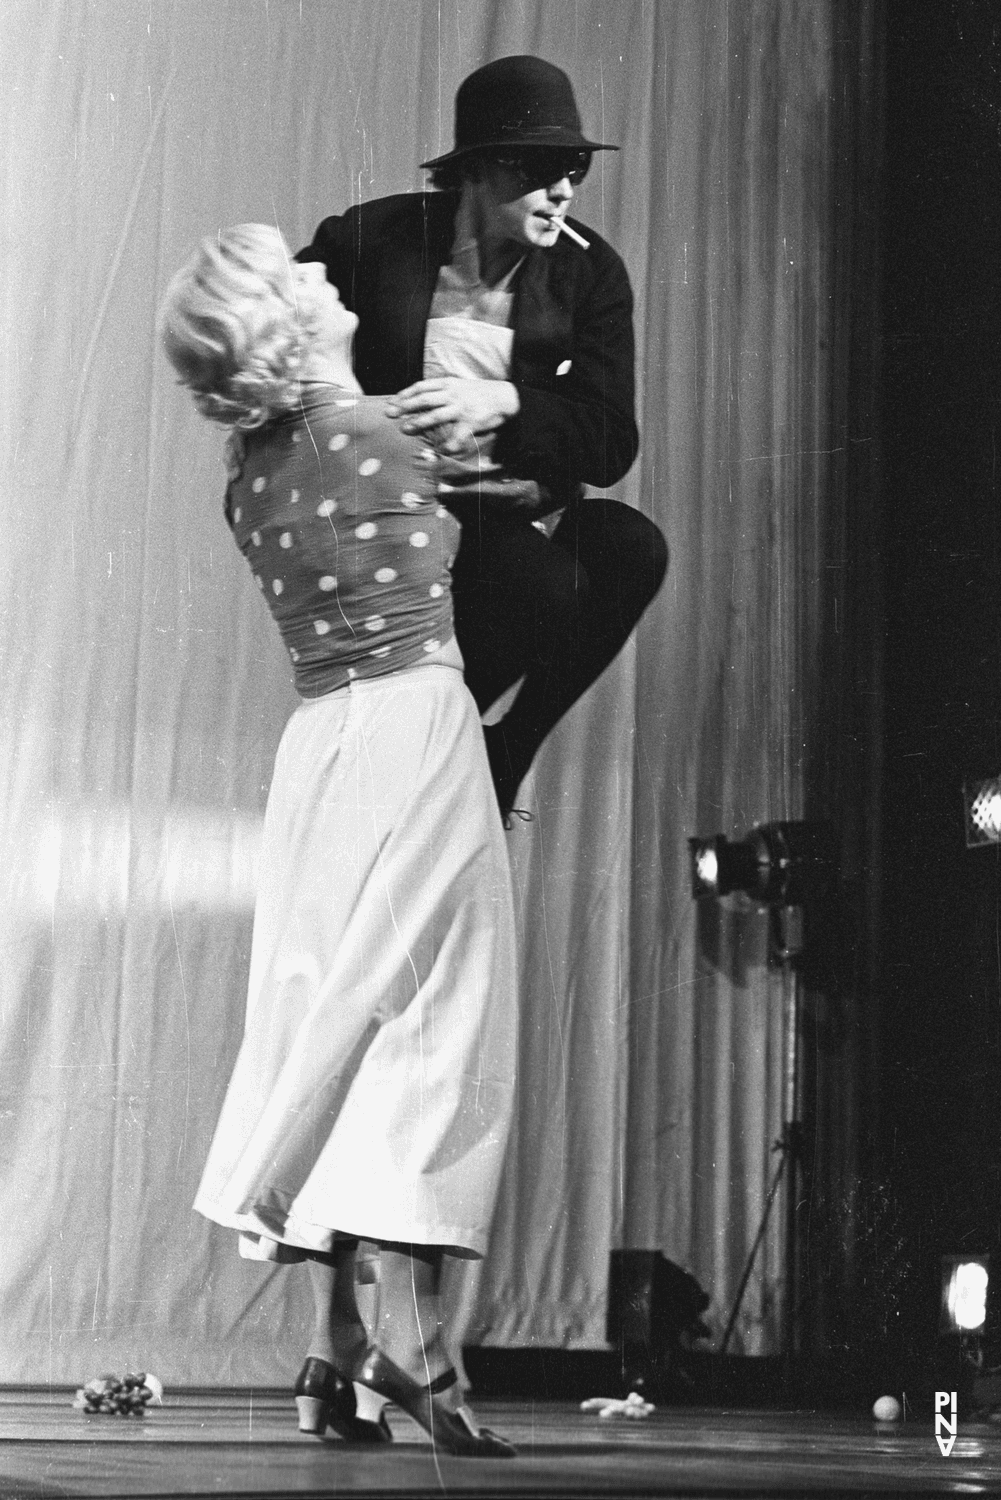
<point x="325" y="1399"/>
<point x="448" y="1430"/>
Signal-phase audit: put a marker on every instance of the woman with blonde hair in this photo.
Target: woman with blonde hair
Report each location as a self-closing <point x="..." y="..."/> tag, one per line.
<point x="372" y="1095"/>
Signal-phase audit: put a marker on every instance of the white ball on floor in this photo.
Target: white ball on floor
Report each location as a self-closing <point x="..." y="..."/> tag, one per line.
<point x="886" y="1409"/>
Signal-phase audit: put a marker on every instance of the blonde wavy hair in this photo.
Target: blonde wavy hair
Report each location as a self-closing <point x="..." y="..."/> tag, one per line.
<point x="230" y="326"/>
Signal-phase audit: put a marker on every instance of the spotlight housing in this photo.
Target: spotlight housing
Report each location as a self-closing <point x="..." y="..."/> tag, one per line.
<point x="776" y="865"/>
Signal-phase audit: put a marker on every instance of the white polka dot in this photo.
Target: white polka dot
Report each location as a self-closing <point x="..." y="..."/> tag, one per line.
<point x="427" y="456"/>
<point x="410" y="500"/>
<point x="352" y="402"/>
<point x="293" y="653"/>
<point x="238" y="514"/>
<point x="297" y="437"/>
<point x="381" y="651"/>
<point x="278" y="586"/>
<point x="259" y="580"/>
<point x="436" y="591"/>
<point x="255" y="537"/>
<point x="328" y="582"/>
<point x="441" y="512"/>
<point x="375" y="622"/>
<point x="338" y="441"/>
<point x="432" y="645"/>
<point x="385" y="575"/>
<point x="258" y="484"/>
<point x="322" y="627"/>
<point x="351" y="672"/>
<point x="365" y="530"/>
<point x="294" y="496"/>
<point x="419" y="539"/>
<point x="326" y="507"/>
<point x="285" y="540"/>
<point x="450" y="560"/>
<point x="369" y="466"/>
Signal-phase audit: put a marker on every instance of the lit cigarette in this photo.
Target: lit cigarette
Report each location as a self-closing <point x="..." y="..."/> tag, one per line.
<point x="578" y="239"/>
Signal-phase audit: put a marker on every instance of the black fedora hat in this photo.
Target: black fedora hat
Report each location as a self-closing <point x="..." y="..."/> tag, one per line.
<point x="516" y="102"/>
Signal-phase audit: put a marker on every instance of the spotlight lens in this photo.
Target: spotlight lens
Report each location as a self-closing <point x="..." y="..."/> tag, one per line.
<point x="707" y="866"/>
<point x="990" y="815"/>
<point x="968" y="1295"/>
<point x="983" y="811"/>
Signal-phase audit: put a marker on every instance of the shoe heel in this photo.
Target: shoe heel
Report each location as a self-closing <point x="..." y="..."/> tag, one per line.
<point x="312" y="1414"/>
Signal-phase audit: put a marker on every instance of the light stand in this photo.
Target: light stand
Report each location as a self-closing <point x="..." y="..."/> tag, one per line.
<point x="789" y="1146"/>
<point x="782" y="867"/>
<point x="790" y="1143"/>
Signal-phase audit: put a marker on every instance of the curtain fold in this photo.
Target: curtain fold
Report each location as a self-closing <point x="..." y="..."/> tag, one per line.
<point x="146" y="691"/>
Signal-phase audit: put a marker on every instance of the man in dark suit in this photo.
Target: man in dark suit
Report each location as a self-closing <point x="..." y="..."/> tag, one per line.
<point x="497" y="329"/>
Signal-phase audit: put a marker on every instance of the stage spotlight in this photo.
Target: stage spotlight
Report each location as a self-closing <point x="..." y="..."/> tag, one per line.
<point x="964" y="1293"/>
<point x="777" y="864"/>
<point x="982" y="807"/>
<point x="719" y="867"/>
<point x="785" y="868"/>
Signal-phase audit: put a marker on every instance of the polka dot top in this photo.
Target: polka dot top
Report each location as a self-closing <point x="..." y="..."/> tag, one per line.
<point x="336" y="511"/>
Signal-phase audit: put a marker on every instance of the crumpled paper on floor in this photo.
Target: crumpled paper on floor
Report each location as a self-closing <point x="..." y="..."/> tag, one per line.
<point x="633" y="1407"/>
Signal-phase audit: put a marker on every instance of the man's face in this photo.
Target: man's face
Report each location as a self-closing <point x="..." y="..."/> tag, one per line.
<point x="517" y="208"/>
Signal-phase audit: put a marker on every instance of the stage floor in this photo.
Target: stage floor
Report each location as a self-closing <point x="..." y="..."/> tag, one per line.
<point x="228" y="1445"/>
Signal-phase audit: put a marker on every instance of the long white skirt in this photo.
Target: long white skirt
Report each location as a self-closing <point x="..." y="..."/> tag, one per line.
<point x="373" y="1091"/>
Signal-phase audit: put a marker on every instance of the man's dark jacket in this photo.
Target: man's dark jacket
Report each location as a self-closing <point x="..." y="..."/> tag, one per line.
<point x="572" y="310"/>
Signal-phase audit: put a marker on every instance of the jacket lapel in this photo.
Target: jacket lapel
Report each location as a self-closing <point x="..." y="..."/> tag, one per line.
<point x="409" y="275"/>
<point x="542" y="323"/>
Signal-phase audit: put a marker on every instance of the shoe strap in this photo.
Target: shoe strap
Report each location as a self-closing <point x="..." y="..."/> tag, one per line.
<point x="442" y="1382"/>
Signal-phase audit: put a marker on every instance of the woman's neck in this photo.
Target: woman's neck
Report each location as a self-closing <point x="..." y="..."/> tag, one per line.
<point x="329" y="368"/>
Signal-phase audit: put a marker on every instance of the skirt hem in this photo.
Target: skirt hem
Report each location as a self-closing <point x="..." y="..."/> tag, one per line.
<point x="461" y="1242"/>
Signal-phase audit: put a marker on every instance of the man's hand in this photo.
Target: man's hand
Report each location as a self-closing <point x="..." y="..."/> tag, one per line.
<point x="453" y="411"/>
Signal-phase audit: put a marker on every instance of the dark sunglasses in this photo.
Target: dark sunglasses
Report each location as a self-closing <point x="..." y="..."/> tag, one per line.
<point x="542" y="166"/>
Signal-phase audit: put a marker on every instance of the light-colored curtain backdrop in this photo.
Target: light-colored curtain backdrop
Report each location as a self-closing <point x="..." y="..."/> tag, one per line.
<point x="145" y="689"/>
